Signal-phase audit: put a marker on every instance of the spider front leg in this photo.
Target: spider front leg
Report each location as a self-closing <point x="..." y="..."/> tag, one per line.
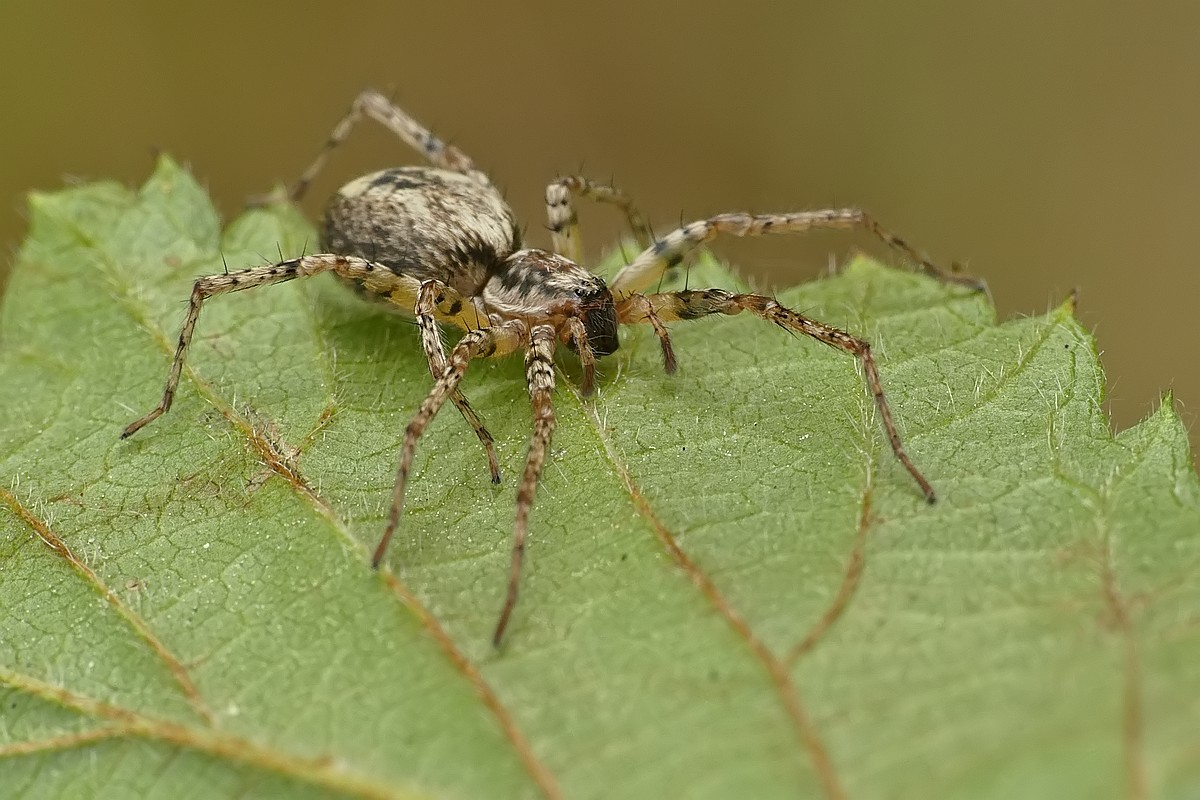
<point x="539" y="374"/>
<point x="432" y="297"/>
<point x="689" y="305"/>
<point x="654" y="261"/>
<point x="379" y="108"/>
<point x="564" y="223"/>
<point x="635" y="309"/>
<point x="379" y="278"/>
<point x="481" y="343"/>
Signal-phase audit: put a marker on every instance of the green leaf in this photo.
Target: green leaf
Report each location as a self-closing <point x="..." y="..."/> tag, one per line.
<point x="733" y="589"/>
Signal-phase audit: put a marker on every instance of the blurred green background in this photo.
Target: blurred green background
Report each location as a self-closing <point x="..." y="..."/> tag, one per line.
<point x="1046" y="146"/>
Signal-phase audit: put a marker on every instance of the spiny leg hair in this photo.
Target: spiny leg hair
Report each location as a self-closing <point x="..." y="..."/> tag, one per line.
<point x="539" y="374"/>
<point x="636" y="308"/>
<point x="564" y="222"/>
<point x="495" y="341"/>
<point x="688" y="305"/>
<point x="379" y="108"/>
<point x="654" y="261"/>
<point x="349" y="267"/>
<point x="432" y="295"/>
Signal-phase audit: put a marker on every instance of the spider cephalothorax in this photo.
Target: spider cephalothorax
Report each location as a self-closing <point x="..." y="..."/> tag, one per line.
<point x="543" y="287"/>
<point x="440" y="243"/>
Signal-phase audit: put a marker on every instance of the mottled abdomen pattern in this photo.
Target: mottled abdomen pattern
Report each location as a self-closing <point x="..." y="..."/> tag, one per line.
<point x="423" y="222"/>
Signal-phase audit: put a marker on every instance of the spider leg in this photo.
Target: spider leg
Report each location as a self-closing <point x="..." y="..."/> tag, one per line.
<point x="636" y="308"/>
<point x="380" y="280"/>
<point x="564" y="223"/>
<point x="376" y="106"/>
<point x="690" y="305"/>
<point x="498" y="340"/>
<point x="430" y="297"/>
<point x="539" y="373"/>
<point x="649" y="266"/>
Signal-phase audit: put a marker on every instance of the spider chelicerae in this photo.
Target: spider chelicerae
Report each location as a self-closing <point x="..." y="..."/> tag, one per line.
<point x="440" y="243"/>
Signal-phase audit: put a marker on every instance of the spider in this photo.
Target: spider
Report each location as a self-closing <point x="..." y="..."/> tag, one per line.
<point x="439" y="242"/>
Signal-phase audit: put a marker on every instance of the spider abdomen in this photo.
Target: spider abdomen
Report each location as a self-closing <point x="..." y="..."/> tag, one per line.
<point x="423" y="222"/>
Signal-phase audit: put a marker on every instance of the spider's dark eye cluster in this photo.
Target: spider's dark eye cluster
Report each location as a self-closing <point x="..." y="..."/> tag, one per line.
<point x="592" y="291"/>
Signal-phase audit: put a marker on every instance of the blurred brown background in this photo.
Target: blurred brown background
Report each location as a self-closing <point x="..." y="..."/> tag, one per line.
<point x="1044" y="147"/>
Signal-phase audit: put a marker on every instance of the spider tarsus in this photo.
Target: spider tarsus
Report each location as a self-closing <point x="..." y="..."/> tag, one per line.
<point x="957" y="277"/>
<point x="505" y="615"/>
<point x="138" y="424"/>
<point x="978" y="285"/>
<point x="392" y="524"/>
<point x="493" y="463"/>
<point x="381" y="548"/>
<point x="668" y="353"/>
<point x="926" y="488"/>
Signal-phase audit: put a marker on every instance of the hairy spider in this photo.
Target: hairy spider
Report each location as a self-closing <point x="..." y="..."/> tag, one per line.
<point x="441" y="243"/>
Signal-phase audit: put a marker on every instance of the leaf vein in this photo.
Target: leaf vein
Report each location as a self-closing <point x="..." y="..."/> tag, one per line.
<point x="993" y="394"/>
<point x="849" y="585"/>
<point x="809" y="736"/>
<point x="280" y="459"/>
<point x="213" y="742"/>
<point x="140" y="627"/>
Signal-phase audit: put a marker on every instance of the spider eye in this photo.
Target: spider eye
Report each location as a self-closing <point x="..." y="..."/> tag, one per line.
<point x="581" y="293"/>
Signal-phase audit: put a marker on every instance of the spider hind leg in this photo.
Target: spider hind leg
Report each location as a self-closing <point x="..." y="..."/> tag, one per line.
<point x="378" y="107"/>
<point x="563" y="223"/>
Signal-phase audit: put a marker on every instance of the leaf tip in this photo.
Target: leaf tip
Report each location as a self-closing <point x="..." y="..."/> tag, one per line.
<point x="1068" y="307"/>
<point x="165" y="163"/>
<point x="1165" y="413"/>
